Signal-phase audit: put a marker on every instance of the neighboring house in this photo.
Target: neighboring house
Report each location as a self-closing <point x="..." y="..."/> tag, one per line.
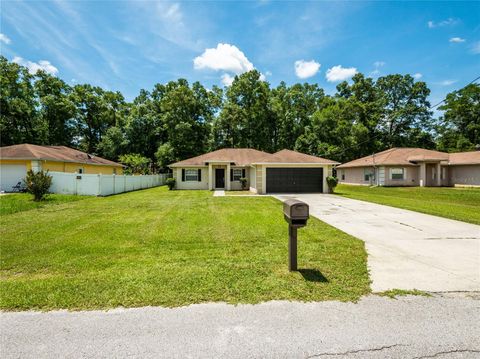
<point x="413" y="167"/>
<point x="16" y="160"/>
<point x="282" y="172"/>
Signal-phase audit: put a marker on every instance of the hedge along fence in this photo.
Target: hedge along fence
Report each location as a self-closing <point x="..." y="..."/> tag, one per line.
<point x="102" y="185"/>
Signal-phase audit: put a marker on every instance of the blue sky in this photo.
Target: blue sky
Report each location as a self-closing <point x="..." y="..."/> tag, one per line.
<point x="129" y="45"/>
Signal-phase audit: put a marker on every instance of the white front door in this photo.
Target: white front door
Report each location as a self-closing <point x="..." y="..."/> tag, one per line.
<point x="10" y="175"/>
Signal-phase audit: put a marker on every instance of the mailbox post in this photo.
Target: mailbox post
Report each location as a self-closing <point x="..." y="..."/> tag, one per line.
<point x="296" y="213"/>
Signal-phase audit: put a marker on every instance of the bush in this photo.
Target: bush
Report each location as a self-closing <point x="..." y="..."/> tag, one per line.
<point x="332" y="183"/>
<point x="243" y="182"/>
<point x="136" y="164"/>
<point x="38" y="184"/>
<point x="170" y="183"/>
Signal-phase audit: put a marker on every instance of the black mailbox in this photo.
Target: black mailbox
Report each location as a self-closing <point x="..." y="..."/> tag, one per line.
<point x="296" y="213"/>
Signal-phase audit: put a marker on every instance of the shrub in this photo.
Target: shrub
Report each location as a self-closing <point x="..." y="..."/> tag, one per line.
<point x="170" y="183"/>
<point x="136" y="164"/>
<point x="38" y="184"/>
<point x="332" y="183"/>
<point x="243" y="182"/>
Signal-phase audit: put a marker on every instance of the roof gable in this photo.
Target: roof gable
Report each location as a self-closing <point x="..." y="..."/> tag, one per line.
<point x="289" y="156"/>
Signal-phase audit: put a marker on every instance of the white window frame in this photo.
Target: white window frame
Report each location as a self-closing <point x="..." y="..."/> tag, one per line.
<point x="399" y="169"/>
<point x="191" y="175"/>
<point x="236" y="176"/>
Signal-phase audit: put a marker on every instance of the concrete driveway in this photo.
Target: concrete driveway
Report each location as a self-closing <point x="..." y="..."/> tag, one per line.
<point x="406" y="249"/>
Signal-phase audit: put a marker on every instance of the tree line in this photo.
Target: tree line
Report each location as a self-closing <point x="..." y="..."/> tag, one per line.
<point x="179" y="120"/>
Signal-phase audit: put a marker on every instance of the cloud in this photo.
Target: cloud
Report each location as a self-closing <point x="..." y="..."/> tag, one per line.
<point x="456" y="39"/>
<point x="5" y="39"/>
<point x="339" y="73"/>
<point x="268" y="73"/>
<point x="224" y="57"/>
<point x="305" y="69"/>
<point x="227" y="79"/>
<point x="417" y="76"/>
<point x="475" y="49"/>
<point x="33" y="67"/>
<point x="171" y="12"/>
<point x="448" y="22"/>
<point x="447" y="82"/>
<point x="379" y="63"/>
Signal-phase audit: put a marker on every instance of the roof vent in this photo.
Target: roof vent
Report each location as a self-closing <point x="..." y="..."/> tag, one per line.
<point x="89" y="156"/>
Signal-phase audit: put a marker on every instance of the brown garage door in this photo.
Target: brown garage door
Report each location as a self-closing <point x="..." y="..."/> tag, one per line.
<point x="294" y="180"/>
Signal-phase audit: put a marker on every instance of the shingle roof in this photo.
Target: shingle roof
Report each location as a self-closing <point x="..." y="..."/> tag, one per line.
<point x="289" y="156"/>
<point x="247" y="156"/>
<point x="409" y="157"/>
<point x="52" y="153"/>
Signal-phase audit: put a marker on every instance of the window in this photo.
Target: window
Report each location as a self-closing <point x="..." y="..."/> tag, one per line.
<point x="434" y="173"/>
<point x="444" y="173"/>
<point x="343" y="175"/>
<point x="80" y="171"/>
<point x="397" y="173"/>
<point x="237" y="174"/>
<point x="114" y="171"/>
<point x="368" y="174"/>
<point x="191" y="175"/>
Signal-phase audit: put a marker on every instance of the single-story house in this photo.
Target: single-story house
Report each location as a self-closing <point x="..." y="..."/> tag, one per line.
<point x="281" y="172"/>
<point x="413" y="167"/>
<point x="16" y="160"/>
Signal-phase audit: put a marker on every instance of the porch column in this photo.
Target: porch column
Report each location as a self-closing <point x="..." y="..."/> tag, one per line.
<point x="227" y="178"/>
<point x="423" y="174"/>
<point x="210" y="177"/>
<point x="438" y="171"/>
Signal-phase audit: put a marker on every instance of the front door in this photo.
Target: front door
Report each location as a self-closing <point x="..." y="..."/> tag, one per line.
<point x="219" y="178"/>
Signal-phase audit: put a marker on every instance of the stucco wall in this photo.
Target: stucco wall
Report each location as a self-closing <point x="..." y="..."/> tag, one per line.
<point x="203" y="184"/>
<point x="411" y="176"/>
<point x="68" y="167"/>
<point x="259" y="179"/>
<point x="26" y="163"/>
<point x="354" y="175"/>
<point x="236" y="185"/>
<point x="253" y="179"/>
<point x="465" y="175"/>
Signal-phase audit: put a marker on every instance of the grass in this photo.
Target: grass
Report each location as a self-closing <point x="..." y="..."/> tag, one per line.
<point x="170" y="248"/>
<point x="19" y="202"/>
<point x="394" y="293"/>
<point x="462" y="204"/>
<point x="239" y="193"/>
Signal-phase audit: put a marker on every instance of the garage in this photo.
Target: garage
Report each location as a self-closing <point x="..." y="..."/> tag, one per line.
<point x="10" y="175"/>
<point x="294" y="180"/>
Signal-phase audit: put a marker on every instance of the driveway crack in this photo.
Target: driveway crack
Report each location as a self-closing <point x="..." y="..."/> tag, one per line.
<point x="448" y="352"/>
<point x="356" y="351"/>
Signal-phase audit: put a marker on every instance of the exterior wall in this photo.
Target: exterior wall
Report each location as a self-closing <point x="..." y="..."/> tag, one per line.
<point x="236" y="185"/>
<point x="468" y="175"/>
<point x="70" y="167"/>
<point x="411" y="176"/>
<point x="353" y="175"/>
<point x="259" y="179"/>
<point x="203" y="184"/>
<point x="26" y="163"/>
<point x="327" y="169"/>
<point x="253" y="179"/>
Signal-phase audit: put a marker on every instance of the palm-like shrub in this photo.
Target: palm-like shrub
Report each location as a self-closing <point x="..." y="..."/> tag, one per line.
<point x="38" y="184"/>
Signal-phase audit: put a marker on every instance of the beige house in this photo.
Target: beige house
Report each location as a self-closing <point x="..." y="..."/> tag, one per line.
<point x="413" y="167"/>
<point x="282" y="172"/>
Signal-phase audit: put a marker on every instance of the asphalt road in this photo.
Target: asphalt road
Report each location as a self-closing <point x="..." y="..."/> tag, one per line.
<point x="376" y="327"/>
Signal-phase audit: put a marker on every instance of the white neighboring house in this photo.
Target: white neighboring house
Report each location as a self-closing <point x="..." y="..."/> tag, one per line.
<point x="285" y="171"/>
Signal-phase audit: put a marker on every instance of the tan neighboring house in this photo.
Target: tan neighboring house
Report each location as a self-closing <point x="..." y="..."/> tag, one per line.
<point x="413" y="167"/>
<point x="16" y="160"/>
<point x="281" y="172"/>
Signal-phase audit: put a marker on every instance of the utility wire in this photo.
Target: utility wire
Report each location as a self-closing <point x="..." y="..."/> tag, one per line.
<point x="378" y="134"/>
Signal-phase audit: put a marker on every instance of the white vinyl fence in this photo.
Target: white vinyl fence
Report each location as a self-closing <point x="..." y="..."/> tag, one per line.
<point x="102" y="185"/>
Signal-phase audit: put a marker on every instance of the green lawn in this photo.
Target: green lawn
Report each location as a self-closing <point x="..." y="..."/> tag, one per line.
<point x="462" y="204"/>
<point x="170" y="248"/>
<point x="19" y="202"/>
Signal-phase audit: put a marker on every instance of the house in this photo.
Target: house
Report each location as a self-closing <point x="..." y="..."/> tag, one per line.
<point x="413" y="167"/>
<point x="281" y="172"/>
<point x="16" y="160"/>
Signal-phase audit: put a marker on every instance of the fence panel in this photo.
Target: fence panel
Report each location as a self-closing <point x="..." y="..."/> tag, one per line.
<point x="102" y="185"/>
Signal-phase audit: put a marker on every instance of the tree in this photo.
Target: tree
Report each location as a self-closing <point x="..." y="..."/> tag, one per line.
<point x="136" y="164"/>
<point x="460" y="125"/>
<point x="165" y="155"/>
<point x="113" y="144"/>
<point x="38" y="184"/>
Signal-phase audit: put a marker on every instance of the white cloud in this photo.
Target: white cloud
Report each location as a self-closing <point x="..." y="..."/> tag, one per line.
<point x="268" y="73"/>
<point x="447" y="82"/>
<point x="33" y="67"/>
<point x="4" y="38"/>
<point x="227" y="79"/>
<point x="171" y="12"/>
<point x="339" y="73"/>
<point x="476" y="48"/>
<point x="456" y="39"/>
<point x="305" y="69"/>
<point x="224" y="57"/>
<point x="379" y="63"/>
<point x="448" y="22"/>
<point x="417" y="76"/>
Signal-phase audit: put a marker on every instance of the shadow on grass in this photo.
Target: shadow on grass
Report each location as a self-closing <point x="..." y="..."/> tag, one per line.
<point x="313" y="275"/>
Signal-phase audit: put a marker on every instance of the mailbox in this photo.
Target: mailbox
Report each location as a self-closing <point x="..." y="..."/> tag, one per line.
<point x="296" y="214"/>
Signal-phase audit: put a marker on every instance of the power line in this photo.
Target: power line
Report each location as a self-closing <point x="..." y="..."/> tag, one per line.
<point x="378" y="134"/>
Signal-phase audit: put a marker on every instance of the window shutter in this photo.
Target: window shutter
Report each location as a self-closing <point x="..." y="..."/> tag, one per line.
<point x="231" y="175"/>
<point x="199" y="175"/>
<point x="183" y="174"/>
<point x="243" y="172"/>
